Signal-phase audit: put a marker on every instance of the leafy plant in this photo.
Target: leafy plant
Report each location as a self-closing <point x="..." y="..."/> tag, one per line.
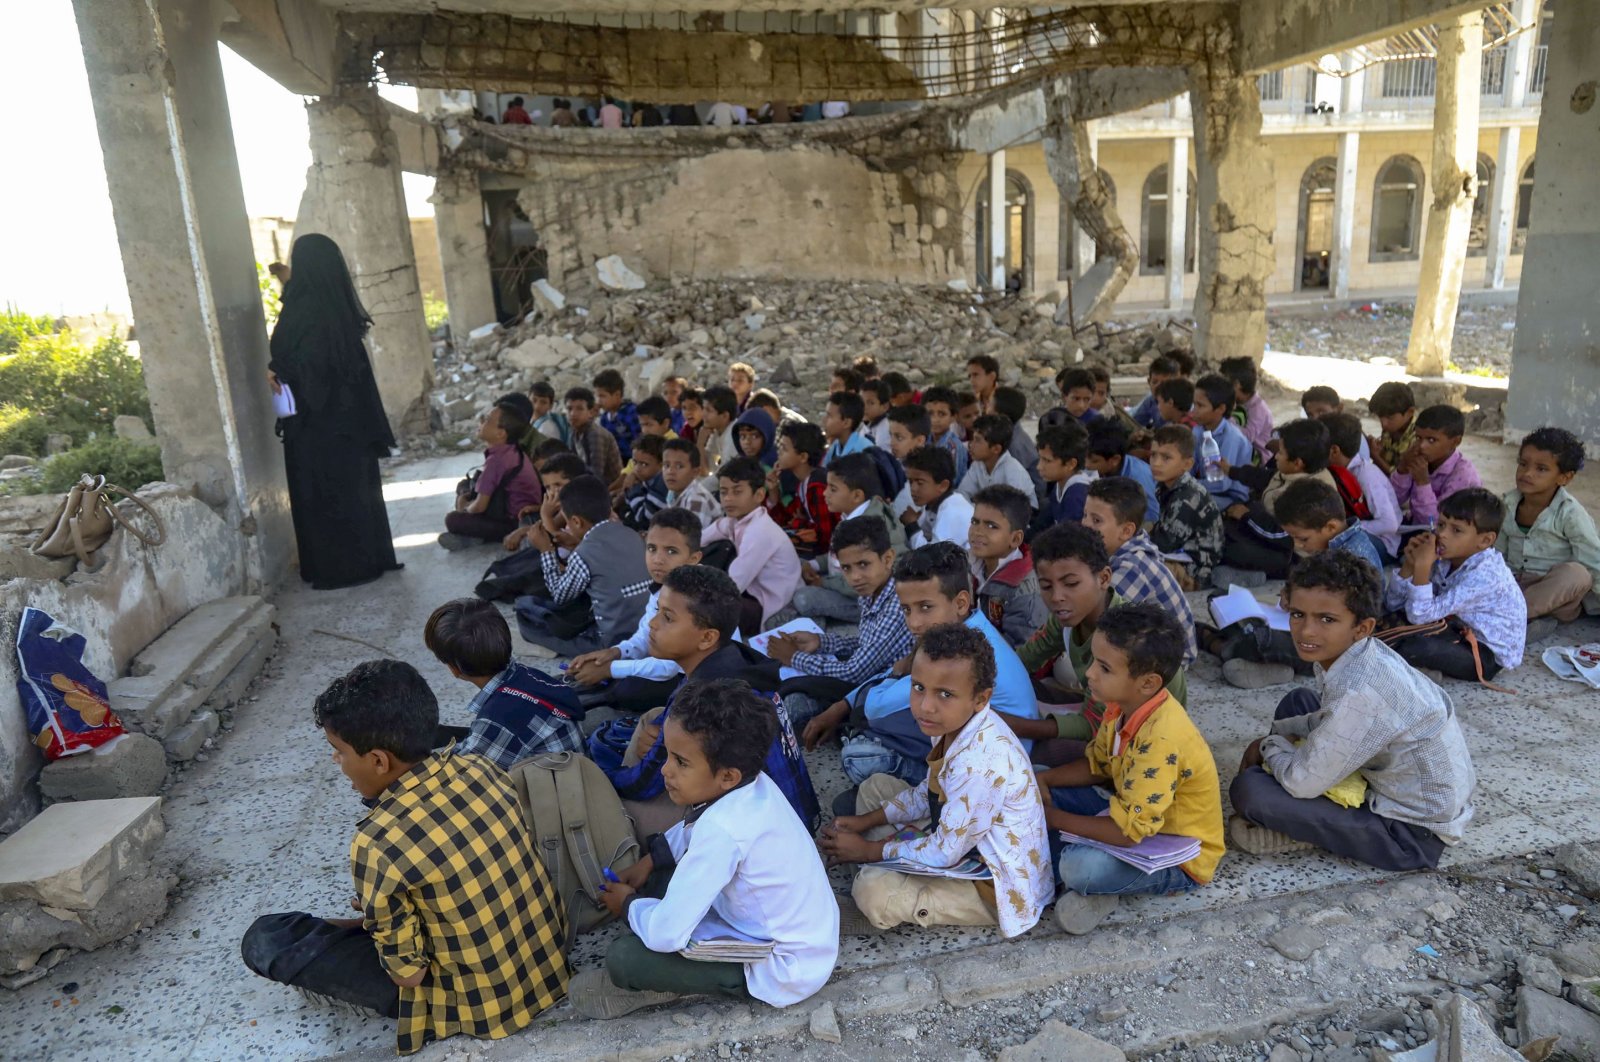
<point x="435" y="312"/>
<point x="22" y="431"/>
<point x="16" y="326"/>
<point x="271" y="302"/>
<point x="76" y="390"/>
<point x="127" y="464"/>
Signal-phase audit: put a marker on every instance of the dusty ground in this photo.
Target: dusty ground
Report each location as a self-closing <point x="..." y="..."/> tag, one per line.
<point x="1381" y="329"/>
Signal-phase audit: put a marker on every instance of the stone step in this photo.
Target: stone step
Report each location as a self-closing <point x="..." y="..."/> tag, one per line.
<point x="209" y="672"/>
<point x="154" y="704"/>
<point x="232" y="687"/>
<point x="191" y="640"/>
<point x="70" y="854"/>
<point x="185" y="742"/>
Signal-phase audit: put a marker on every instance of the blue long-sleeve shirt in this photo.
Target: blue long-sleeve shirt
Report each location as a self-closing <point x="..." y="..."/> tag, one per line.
<point x="1236" y="450"/>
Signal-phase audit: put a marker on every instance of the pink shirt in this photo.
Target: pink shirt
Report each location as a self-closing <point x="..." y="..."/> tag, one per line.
<point x="1258" y="424"/>
<point x="767" y="567"/>
<point x="611" y="116"/>
<point x="1421" y="502"/>
<point x="523" y="487"/>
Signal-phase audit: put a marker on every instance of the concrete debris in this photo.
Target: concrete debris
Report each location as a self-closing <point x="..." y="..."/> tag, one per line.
<point x="617" y="275"/>
<point x="548" y="298"/>
<point x="1297" y="942"/>
<point x="1540" y="1014"/>
<point x="11" y="462"/>
<point x="1581" y="863"/>
<point x="825" y="1024"/>
<point x="1057" y="1041"/>
<point x="132" y="765"/>
<point x="484" y="331"/>
<point x="132" y="429"/>
<point x="79" y="875"/>
<point x="794" y="333"/>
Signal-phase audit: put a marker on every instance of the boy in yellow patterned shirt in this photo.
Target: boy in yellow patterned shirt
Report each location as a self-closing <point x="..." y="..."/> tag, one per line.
<point x="461" y="930"/>
<point x="1156" y="770"/>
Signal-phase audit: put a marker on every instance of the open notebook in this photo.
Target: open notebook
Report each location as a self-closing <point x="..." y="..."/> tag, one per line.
<point x="1156" y="852"/>
<point x="795" y="626"/>
<point x="1240" y="604"/>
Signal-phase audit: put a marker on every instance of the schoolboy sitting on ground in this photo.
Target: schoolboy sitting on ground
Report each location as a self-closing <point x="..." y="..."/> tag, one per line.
<point x="1148" y="766"/>
<point x="718" y="408"/>
<point x="1145" y="414"/>
<point x="686" y="488"/>
<point x="874" y="413"/>
<point x="644" y="491"/>
<point x="941" y="405"/>
<point x="1175" y="401"/>
<point x="1471" y="587"/>
<point x="1137" y="571"/>
<point x="766" y="568"/>
<point x="460" y="928"/>
<point x="1075" y="583"/>
<point x="1213" y="401"/>
<point x="607" y="563"/>
<point x="590" y="441"/>
<point x="986" y="800"/>
<point x="797" y="490"/>
<point x="1012" y="404"/>
<point x="618" y="414"/>
<point x="1189" y="523"/>
<point x="867" y="561"/>
<point x="991" y="463"/>
<point x="854" y="491"/>
<point x="841" y="426"/>
<point x="1367" y="494"/>
<point x="697" y="614"/>
<point x="518" y="711"/>
<point x="942" y="514"/>
<point x="1311" y="513"/>
<point x="626" y="677"/>
<point x="1063" y="450"/>
<point x="1255" y="546"/>
<point x="547" y="420"/>
<point x="739" y="857"/>
<point x="934" y="587"/>
<point x="1433" y="468"/>
<point x="907" y="428"/>
<point x="754" y="433"/>
<point x="1396" y="409"/>
<point x="1109" y="456"/>
<point x="1371" y="713"/>
<point x="1002" y="570"/>
<point x="1548" y="538"/>
<point x="505" y="486"/>
<point x="1257" y="417"/>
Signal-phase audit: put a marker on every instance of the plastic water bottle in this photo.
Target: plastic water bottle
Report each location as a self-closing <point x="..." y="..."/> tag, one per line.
<point x="1211" y="457"/>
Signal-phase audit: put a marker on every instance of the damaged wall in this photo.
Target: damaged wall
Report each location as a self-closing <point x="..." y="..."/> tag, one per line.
<point x="137" y="594"/>
<point x="871" y="199"/>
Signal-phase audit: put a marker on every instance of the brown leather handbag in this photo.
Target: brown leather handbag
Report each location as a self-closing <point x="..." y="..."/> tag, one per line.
<point x="86" y="518"/>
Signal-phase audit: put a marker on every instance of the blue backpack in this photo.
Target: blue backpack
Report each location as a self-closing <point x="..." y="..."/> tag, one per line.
<point x="890" y="472"/>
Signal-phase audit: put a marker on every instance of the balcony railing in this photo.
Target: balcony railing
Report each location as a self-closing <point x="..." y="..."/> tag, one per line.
<point x="1493" y="82"/>
<point x="1536" y="75"/>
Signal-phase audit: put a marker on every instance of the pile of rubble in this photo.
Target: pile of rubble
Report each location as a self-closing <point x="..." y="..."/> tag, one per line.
<point x="793" y="333"/>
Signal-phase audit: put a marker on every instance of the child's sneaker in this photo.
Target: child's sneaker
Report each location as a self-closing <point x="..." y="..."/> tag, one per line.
<point x="451" y="541"/>
<point x="1078" y="914"/>
<point x="1254" y="675"/>
<point x="343" y="1006"/>
<point x="1541" y="628"/>
<point x="594" y="996"/>
<point x="1260" y="841"/>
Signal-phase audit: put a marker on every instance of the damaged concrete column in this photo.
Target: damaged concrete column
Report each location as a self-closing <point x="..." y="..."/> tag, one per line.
<point x="1453" y="184"/>
<point x="1177" y="219"/>
<point x="1508" y="157"/>
<point x="1555" y="353"/>
<point x="1085" y="253"/>
<point x="162" y="113"/>
<point x="1235" y="220"/>
<point x="1070" y="160"/>
<point x="997" y="221"/>
<point x="1344" y="183"/>
<point x="463" y="252"/>
<point x="354" y="195"/>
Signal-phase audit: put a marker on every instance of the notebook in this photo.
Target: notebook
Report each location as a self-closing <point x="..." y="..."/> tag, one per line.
<point x="969" y="869"/>
<point x="1156" y="852"/>
<point x="1240" y="604"/>
<point x="714" y="940"/>
<point x="759" y="642"/>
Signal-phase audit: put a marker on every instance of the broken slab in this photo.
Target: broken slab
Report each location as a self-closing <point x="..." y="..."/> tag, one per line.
<point x="186" y="741"/>
<point x="193" y="636"/>
<point x="1057" y="1041"/>
<point x="29" y="931"/>
<point x="69" y="854"/>
<point x="1540" y="1014"/>
<point x="616" y="274"/>
<point x="132" y="765"/>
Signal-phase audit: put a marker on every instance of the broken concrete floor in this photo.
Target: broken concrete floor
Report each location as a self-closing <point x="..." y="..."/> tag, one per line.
<point x="263" y="824"/>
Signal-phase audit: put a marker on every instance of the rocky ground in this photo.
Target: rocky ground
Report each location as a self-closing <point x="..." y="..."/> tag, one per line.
<point x="1375" y="331"/>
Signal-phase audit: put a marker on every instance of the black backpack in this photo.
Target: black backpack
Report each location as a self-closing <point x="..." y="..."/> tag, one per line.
<point x="892" y="475"/>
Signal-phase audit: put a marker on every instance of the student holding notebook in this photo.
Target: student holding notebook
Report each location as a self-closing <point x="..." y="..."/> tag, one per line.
<point x="1147" y="772"/>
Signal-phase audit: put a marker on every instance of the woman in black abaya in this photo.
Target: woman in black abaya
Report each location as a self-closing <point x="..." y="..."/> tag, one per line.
<point x="332" y="444"/>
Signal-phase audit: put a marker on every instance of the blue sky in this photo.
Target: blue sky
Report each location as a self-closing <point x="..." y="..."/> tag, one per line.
<point x="58" y="244"/>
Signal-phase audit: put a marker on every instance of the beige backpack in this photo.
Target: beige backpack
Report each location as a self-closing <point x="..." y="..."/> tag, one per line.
<point x="578" y="827"/>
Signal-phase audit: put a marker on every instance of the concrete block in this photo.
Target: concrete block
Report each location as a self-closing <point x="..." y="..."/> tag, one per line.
<point x="28" y="931"/>
<point x="227" y="692"/>
<point x="70" y="854"/>
<point x="132" y="765"/>
<point x="1540" y="1014"/>
<point x="210" y="670"/>
<point x="188" y="641"/>
<point x="1058" y="1041"/>
<point x="184" y="743"/>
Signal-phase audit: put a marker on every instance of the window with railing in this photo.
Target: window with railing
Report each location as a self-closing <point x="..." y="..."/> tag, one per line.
<point x="1409" y="78"/>
<point x="1270" y="86"/>
<point x="1493" y="81"/>
<point x="1536" y="75"/>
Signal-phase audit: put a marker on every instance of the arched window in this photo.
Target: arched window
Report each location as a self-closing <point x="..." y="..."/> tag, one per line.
<point x="1153" y="256"/>
<point x="1478" y="234"/>
<point x="1397" y="210"/>
<point x="1316" y="224"/>
<point x="1067" y="235"/>
<point x="1524" y="208"/>
<point x="1019" y="231"/>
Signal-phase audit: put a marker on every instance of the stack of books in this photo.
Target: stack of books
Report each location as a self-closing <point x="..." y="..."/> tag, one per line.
<point x="716" y="941"/>
<point x="1156" y="852"/>
<point x="969" y="869"/>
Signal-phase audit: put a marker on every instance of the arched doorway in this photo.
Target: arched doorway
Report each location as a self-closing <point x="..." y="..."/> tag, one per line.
<point x="1519" y="235"/>
<point x="1314" y="246"/>
<point x="1478" y="233"/>
<point x="1153" y="242"/>
<point x="1019" y="232"/>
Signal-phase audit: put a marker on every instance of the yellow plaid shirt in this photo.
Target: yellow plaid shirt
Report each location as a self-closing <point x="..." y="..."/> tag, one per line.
<point x="449" y="884"/>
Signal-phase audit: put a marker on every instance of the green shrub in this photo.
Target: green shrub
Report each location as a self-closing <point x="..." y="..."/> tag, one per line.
<point x="77" y="390"/>
<point x="22" y="431"/>
<point x="127" y="464"/>
<point x="271" y="301"/>
<point x="435" y="312"/>
<point x="15" y="326"/>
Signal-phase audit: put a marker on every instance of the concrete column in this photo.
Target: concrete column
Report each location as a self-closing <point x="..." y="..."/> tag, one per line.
<point x="1519" y="53"/>
<point x="1353" y="91"/>
<point x="173" y="176"/>
<point x="354" y="195"/>
<point x="1236" y="215"/>
<point x="997" y="220"/>
<point x="1344" y="215"/>
<point x="1451" y="192"/>
<point x="1502" y="206"/>
<point x="463" y="252"/>
<point x="1086" y="250"/>
<point x="1177" y="216"/>
<point x="1070" y="159"/>
<point x="1555" y="355"/>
